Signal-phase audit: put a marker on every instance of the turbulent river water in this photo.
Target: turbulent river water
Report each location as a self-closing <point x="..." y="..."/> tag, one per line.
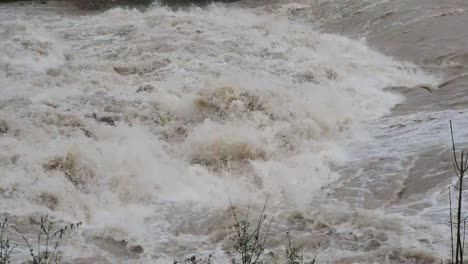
<point x="145" y="124"/>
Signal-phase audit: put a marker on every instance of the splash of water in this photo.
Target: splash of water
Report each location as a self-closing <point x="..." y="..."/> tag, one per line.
<point x="140" y="122"/>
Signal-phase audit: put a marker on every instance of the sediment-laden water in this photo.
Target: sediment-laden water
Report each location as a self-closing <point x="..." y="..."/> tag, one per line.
<point x="146" y="124"/>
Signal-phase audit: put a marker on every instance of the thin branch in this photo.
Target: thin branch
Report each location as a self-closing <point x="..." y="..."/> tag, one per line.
<point x="49" y="227"/>
<point x="316" y="254"/>
<point x="248" y="210"/>
<point x="39" y="238"/>
<point x="451" y="224"/>
<point x="466" y="160"/>
<point x="463" y="244"/>
<point x="236" y="221"/>
<point x="1" y="238"/>
<point x="27" y="244"/>
<point x="453" y="144"/>
<point x="455" y="168"/>
<point x="268" y="228"/>
<point x="257" y="245"/>
<point x="55" y="250"/>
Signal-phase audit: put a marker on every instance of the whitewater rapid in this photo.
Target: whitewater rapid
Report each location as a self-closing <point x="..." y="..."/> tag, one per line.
<point x="144" y="124"/>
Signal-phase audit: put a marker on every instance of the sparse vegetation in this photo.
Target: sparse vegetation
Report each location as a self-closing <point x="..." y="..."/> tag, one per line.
<point x="195" y="260"/>
<point x="458" y="219"/>
<point x="250" y="237"/>
<point x="294" y="254"/>
<point x="6" y="248"/>
<point x="45" y="250"/>
<point x="250" y="240"/>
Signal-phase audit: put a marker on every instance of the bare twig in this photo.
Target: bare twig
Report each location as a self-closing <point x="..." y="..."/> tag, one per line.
<point x="250" y="241"/>
<point x="451" y="224"/>
<point x="460" y="167"/>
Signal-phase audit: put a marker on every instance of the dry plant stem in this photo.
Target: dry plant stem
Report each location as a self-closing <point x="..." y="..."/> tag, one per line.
<point x="461" y="167"/>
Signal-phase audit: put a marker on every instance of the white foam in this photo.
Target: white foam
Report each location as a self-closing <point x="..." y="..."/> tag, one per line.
<point x="310" y="93"/>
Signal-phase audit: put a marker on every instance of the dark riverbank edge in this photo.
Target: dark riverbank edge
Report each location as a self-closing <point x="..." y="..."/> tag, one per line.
<point x="106" y="4"/>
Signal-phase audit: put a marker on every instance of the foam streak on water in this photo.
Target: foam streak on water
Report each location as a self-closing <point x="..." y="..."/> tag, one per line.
<point x="143" y="124"/>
